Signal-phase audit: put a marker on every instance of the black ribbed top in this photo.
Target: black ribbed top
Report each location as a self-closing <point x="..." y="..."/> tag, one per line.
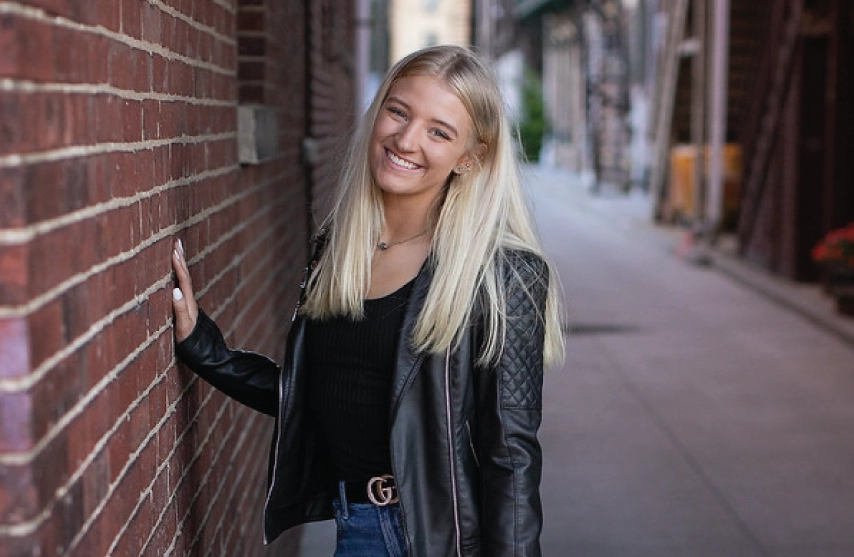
<point x="350" y="365"/>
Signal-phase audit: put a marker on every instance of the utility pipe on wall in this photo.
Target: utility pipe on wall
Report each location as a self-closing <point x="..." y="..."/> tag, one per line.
<point x="718" y="117"/>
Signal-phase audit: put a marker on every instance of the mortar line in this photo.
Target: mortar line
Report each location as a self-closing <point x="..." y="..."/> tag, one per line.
<point x="27" y="86"/>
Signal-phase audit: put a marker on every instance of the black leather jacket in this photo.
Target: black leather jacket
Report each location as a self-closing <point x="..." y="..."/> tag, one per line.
<point x="464" y="450"/>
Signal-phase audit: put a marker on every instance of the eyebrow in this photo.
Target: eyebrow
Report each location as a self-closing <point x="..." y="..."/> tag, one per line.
<point x="436" y="120"/>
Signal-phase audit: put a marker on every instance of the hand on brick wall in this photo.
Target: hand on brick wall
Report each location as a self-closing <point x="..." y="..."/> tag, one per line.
<point x="183" y="301"/>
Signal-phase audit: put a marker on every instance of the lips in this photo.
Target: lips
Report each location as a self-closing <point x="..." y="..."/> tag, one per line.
<point x="398" y="161"/>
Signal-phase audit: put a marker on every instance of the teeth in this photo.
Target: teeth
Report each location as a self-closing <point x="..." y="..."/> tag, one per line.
<point x="400" y="162"/>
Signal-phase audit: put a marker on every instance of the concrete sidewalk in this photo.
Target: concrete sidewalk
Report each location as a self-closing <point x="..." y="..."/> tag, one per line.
<point x="694" y="416"/>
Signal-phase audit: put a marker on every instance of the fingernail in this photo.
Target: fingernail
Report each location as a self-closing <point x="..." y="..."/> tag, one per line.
<point x="177" y="294"/>
<point x="181" y="245"/>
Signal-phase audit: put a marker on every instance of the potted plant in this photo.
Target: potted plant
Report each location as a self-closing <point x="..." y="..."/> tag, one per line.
<point x="835" y="254"/>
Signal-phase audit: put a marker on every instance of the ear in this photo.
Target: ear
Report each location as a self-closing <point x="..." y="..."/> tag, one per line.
<point x="472" y="158"/>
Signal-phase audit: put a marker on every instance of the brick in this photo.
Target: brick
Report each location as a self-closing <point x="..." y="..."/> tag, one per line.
<point x="141" y="423"/>
<point x="192" y="41"/>
<point x="249" y="94"/>
<point x="251" y="70"/>
<point x="10" y="47"/>
<point x="118" y="230"/>
<point x="97" y="13"/>
<point x="164" y="443"/>
<point x="151" y="23"/>
<point x="24" y="43"/>
<point x="56" y="188"/>
<point x="12" y="132"/>
<point x="202" y="83"/>
<point x="151" y="117"/>
<point x="12" y="199"/>
<point x="16" y="433"/>
<point x="52" y="7"/>
<point x="206" y="48"/>
<point x="169" y="36"/>
<point x="72" y="56"/>
<point x="14" y="273"/>
<point x="49" y="470"/>
<point x="131" y="20"/>
<point x="251" y="45"/>
<point x="52" y="337"/>
<point x="64" y="385"/>
<point x="160" y="74"/>
<point x="44" y="121"/>
<point x="107" y="117"/>
<point x="120" y="69"/>
<point x="86" y="431"/>
<point x="18" y="499"/>
<point x="95" y="487"/>
<point x="55" y="246"/>
<point x="14" y="347"/>
<point x="118" y="450"/>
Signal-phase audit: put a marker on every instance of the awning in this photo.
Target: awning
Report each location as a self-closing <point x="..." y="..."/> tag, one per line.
<point x="531" y="8"/>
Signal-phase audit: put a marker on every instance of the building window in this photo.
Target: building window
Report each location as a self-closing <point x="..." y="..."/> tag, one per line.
<point x="430" y="6"/>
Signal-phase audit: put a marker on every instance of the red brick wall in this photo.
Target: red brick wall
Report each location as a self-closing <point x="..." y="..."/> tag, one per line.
<point x="118" y="134"/>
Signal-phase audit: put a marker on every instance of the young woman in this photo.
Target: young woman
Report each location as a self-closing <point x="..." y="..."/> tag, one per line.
<point x="409" y="401"/>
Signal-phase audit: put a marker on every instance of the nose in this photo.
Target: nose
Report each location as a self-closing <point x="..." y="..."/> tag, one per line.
<point x="405" y="139"/>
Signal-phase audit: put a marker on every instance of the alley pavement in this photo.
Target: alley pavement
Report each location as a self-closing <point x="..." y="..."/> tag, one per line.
<point x="696" y="415"/>
<point x="702" y="411"/>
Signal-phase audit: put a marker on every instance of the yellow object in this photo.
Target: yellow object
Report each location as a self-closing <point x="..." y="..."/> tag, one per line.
<point x="681" y="183"/>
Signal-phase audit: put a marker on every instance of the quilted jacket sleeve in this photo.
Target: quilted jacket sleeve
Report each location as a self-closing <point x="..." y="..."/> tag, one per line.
<point x="247" y="377"/>
<point x="509" y="415"/>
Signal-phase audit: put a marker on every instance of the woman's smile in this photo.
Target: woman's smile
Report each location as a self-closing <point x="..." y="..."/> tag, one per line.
<point x="400" y="161"/>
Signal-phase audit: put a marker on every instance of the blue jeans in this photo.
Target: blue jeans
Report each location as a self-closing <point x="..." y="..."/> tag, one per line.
<point x="366" y="530"/>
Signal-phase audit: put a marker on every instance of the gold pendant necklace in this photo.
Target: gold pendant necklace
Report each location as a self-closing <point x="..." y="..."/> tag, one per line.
<point x="385" y="245"/>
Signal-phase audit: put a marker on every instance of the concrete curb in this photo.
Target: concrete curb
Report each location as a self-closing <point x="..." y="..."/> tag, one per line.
<point x="806" y="300"/>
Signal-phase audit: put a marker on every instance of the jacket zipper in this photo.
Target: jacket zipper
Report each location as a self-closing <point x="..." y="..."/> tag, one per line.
<point x="471" y="445"/>
<point x="451" y="449"/>
<point x="275" y="459"/>
<point x="392" y="416"/>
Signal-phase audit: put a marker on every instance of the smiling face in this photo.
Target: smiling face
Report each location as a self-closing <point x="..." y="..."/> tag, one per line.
<point x="422" y="132"/>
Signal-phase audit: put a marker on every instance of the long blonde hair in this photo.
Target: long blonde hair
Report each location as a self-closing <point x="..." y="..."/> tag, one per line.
<point x="482" y="214"/>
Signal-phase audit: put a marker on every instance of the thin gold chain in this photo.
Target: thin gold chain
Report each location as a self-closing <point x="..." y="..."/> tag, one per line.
<point x="385" y="245"/>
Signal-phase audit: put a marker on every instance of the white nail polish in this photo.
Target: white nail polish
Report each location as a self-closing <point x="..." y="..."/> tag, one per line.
<point x="181" y="245"/>
<point x="178" y="255"/>
<point x="177" y="294"/>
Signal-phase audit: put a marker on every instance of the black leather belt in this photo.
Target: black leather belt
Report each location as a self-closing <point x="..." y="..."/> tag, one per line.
<point x="379" y="490"/>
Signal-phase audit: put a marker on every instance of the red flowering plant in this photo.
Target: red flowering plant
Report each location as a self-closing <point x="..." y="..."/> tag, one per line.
<point x="836" y="250"/>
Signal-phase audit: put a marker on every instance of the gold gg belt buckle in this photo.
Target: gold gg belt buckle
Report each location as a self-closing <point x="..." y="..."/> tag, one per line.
<point x="379" y="493"/>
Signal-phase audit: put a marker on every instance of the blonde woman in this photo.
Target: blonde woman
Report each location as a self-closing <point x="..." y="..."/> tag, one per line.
<point x="409" y="400"/>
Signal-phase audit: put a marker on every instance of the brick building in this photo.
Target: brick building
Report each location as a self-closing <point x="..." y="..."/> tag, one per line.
<point x="119" y="132"/>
